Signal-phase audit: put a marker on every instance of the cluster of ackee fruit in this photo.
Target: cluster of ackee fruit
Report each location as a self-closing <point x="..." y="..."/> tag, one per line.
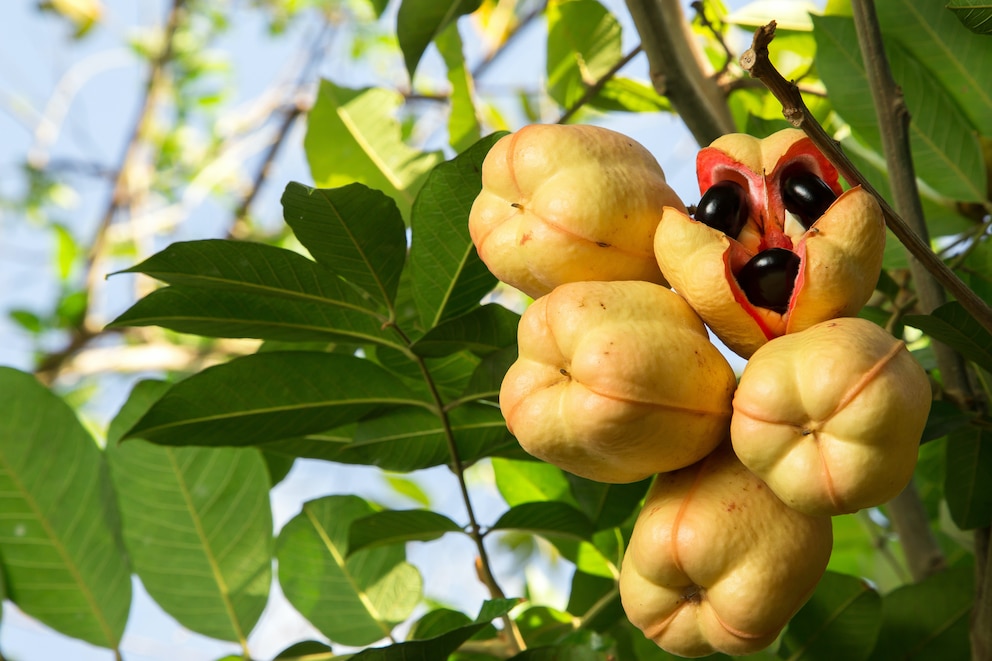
<point x="617" y="380"/>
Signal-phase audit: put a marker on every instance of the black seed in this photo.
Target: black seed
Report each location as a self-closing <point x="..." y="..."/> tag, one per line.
<point x="769" y="277"/>
<point x="724" y="207"/>
<point x="806" y="196"/>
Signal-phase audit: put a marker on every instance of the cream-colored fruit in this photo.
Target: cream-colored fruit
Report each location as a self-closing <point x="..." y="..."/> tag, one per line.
<point x="616" y="381"/>
<point x="567" y="204"/>
<point x="831" y="417"/>
<point x="717" y="563"/>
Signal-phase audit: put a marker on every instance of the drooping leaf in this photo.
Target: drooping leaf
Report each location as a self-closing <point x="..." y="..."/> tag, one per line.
<point x="936" y="38"/>
<point x="353" y="136"/>
<point x="353" y="600"/>
<point x="840" y="621"/>
<point x="969" y="476"/>
<point x="418" y="22"/>
<point x="484" y="330"/>
<point x="222" y="313"/>
<point x="952" y="325"/>
<point x="976" y="15"/>
<point x="463" y="123"/>
<point x="267" y="397"/>
<point x="441" y="646"/>
<point x="407" y="439"/>
<point x="354" y="231"/>
<point x="449" y="279"/>
<point x="197" y="525"/>
<point x="945" y="148"/>
<point x="547" y="518"/>
<point x="307" y="650"/>
<point x="63" y="559"/>
<point x="929" y="619"/>
<point x="398" y="526"/>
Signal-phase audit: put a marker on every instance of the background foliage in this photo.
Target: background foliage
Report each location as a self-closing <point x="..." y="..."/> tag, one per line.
<point x="364" y="332"/>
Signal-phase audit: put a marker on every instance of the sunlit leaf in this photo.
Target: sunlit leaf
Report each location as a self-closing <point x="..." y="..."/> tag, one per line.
<point x="530" y="481"/>
<point x="267" y="397"/>
<point x="353" y="136"/>
<point x="197" y="525"/>
<point x="354" y="231"/>
<point x="584" y="42"/>
<point x="418" y="22"/>
<point x="353" y="600"/>
<point x="63" y="559"/>
<point x="398" y="526"/>
<point x="448" y="277"/>
<point x="463" y="124"/>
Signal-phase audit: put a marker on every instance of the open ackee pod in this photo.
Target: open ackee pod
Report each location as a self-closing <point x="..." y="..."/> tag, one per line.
<point x="776" y="245"/>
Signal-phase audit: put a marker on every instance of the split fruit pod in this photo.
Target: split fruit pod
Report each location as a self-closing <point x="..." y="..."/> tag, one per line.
<point x="717" y="563"/>
<point x="776" y="245"/>
<point x="831" y="417"/>
<point x="568" y="204"/>
<point x="616" y="381"/>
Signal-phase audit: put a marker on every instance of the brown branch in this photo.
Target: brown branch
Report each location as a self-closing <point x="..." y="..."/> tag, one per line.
<point x="678" y="70"/>
<point x="49" y="366"/>
<point x="755" y="61"/>
<point x="597" y="86"/>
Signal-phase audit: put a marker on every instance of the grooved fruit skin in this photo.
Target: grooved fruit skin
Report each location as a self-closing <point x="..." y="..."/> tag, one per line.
<point x="841" y="254"/>
<point x="567" y="204"/>
<point x="616" y="381"/>
<point x="717" y="563"/>
<point x="831" y="417"/>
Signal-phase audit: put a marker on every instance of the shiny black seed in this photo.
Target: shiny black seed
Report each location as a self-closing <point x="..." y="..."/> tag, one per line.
<point x="769" y="277"/>
<point x="724" y="207"/>
<point x="806" y="196"/>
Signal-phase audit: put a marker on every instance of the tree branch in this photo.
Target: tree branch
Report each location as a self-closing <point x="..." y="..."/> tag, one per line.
<point x="595" y="88"/>
<point x="677" y="69"/>
<point x="756" y="62"/>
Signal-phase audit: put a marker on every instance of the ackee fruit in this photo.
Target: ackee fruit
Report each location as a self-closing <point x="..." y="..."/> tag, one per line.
<point x="566" y="204"/>
<point x="616" y="381"/>
<point x="791" y="202"/>
<point x="831" y="417"/>
<point x="717" y="563"/>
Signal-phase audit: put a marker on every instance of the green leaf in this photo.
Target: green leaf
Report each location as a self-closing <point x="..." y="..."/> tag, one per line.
<point x="595" y="592"/>
<point x="441" y="646"/>
<point x="219" y="313"/>
<point x="63" y="559"/>
<point x="943" y="419"/>
<point x="608" y="505"/>
<point x="542" y="625"/>
<point x="269" y="396"/>
<point x="463" y="124"/>
<point x="488" y="375"/>
<point x="584" y="43"/>
<point x="959" y="58"/>
<point x="929" y="619"/>
<point x="547" y="518"/>
<point x="307" y="650"/>
<point x="976" y="15"/>
<point x="353" y="600"/>
<point x="448" y="276"/>
<point x="398" y="526"/>
<point x="354" y="231"/>
<point x="418" y="22"/>
<point x="628" y="95"/>
<point x="353" y="136"/>
<point x="482" y="331"/>
<point x="530" y="481"/>
<point x="408" y="439"/>
<point x="944" y="145"/>
<point x="969" y="477"/>
<point x="952" y="325"/>
<point x="197" y="525"/>
<point x="840" y="621"/>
